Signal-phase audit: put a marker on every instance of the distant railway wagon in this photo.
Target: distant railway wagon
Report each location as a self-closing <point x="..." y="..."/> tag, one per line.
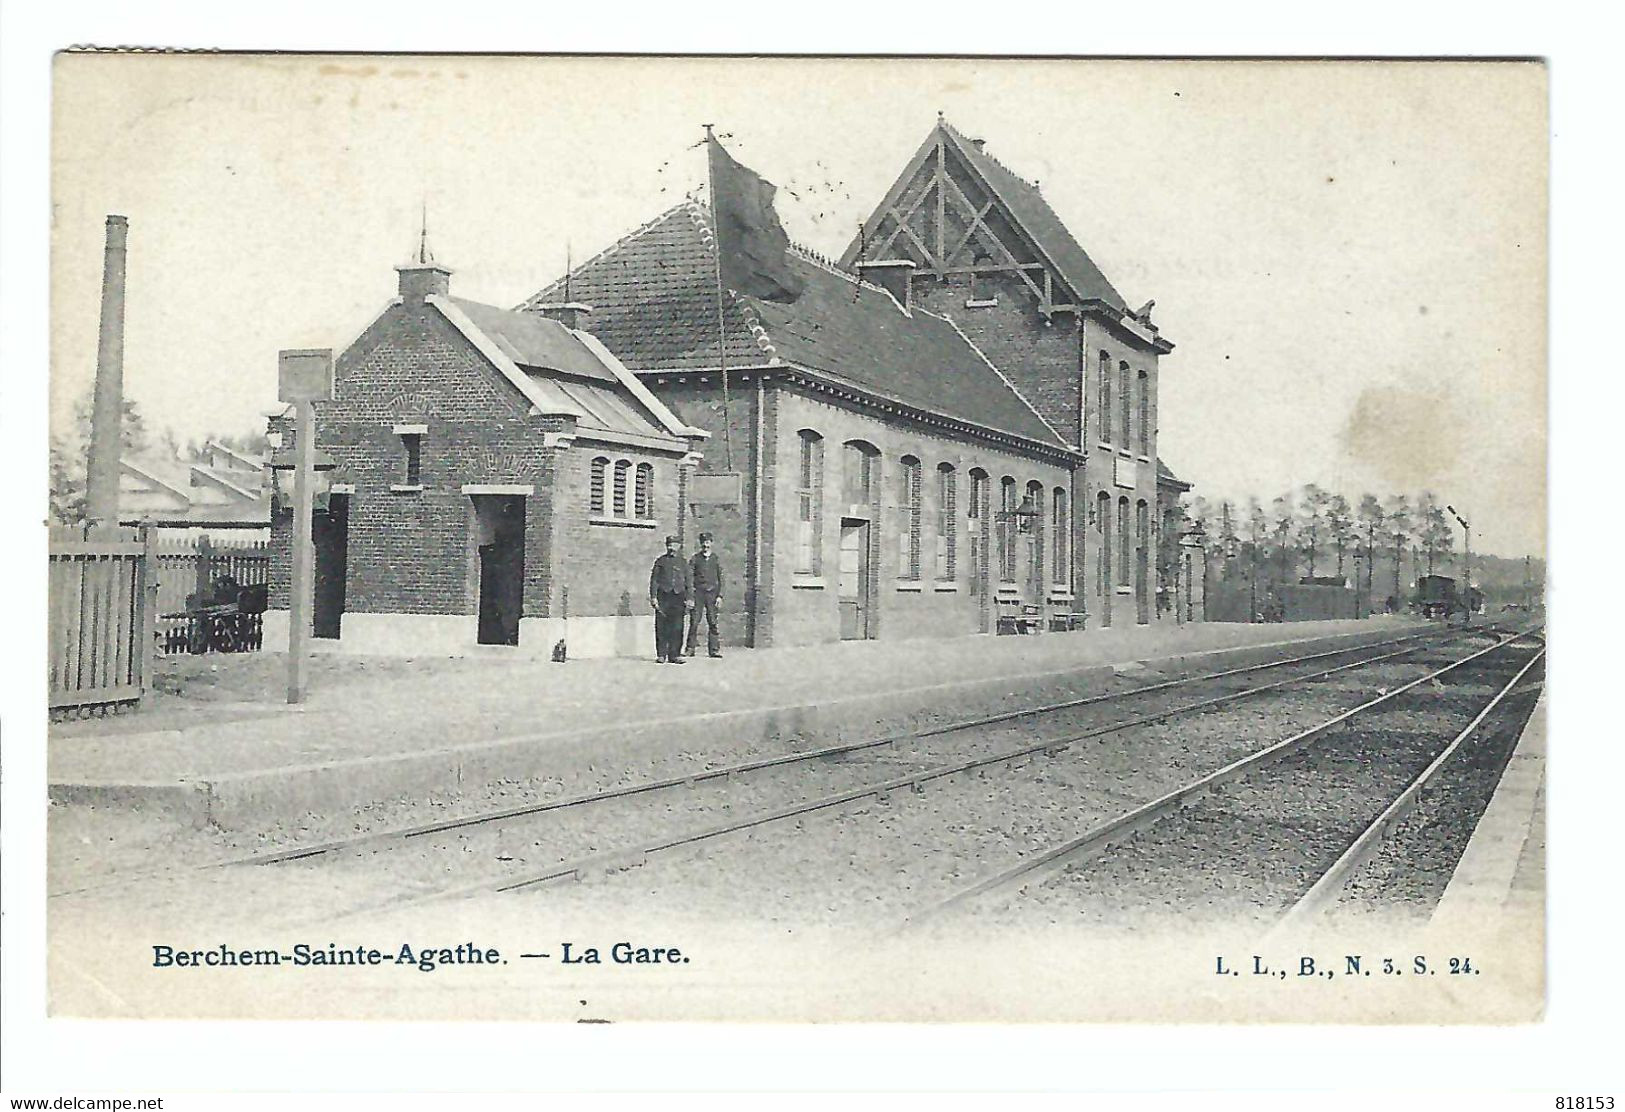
<point x="1436" y="596"/>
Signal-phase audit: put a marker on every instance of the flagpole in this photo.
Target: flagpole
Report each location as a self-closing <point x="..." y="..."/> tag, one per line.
<point x="722" y="332"/>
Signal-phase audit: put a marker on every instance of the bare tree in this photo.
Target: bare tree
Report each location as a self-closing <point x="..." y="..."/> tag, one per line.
<point x="1340" y="524"/>
<point x="1433" y="529"/>
<point x="1399" y="532"/>
<point x="1372" y="518"/>
<point x="1257" y="530"/>
<point x="1283" y="517"/>
<point x="1312" y="527"/>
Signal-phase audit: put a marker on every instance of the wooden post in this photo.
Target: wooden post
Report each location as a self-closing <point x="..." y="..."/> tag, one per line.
<point x="302" y="588"/>
<point x="304" y="377"/>
<point x="202" y="580"/>
<point x="146" y="625"/>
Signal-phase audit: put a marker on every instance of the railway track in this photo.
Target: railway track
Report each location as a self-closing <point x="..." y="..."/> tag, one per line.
<point x="863" y="765"/>
<point x="1168" y="842"/>
<point x="734" y="778"/>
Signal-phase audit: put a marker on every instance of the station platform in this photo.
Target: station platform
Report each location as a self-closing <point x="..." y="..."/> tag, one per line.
<point x="1501" y="876"/>
<point x="376" y="729"/>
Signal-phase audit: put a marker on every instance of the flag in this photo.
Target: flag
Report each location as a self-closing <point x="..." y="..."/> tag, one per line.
<point x="750" y="240"/>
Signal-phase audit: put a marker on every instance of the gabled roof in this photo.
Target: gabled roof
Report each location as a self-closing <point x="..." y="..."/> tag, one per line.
<point x="654" y="302"/>
<point x="535" y="342"/>
<point x="243" y="462"/>
<point x="1032" y="213"/>
<point x="203" y="495"/>
<point x="565" y="372"/>
<point x="1018" y="200"/>
<point x="1166" y="477"/>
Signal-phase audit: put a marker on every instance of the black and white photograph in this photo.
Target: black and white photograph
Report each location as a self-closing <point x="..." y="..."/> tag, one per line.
<point x="604" y="541"/>
<point x="568" y="539"/>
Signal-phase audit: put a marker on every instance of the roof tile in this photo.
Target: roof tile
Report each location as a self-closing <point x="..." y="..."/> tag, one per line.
<point x="654" y="301"/>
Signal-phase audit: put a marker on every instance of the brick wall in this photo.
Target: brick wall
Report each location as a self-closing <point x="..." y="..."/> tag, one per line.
<point x="1042" y="361"/>
<point x="805" y="610"/>
<point x="698" y="402"/>
<point x="413" y="551"/>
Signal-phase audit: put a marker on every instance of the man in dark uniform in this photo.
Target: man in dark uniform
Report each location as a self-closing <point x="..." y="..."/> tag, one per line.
<point x="669" y="596"/>
<point x="705" y="574"/>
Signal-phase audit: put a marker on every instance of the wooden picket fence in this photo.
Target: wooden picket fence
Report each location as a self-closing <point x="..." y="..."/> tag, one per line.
<point x="189" y="574"/>
<point x="102" y="612"/>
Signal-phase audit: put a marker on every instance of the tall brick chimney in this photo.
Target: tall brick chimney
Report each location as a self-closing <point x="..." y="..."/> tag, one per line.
<point x="892" y="275"/>
<point x="107" y="416"/>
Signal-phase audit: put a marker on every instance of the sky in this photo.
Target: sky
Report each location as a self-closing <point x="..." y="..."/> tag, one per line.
<point x="1349" y="257"/>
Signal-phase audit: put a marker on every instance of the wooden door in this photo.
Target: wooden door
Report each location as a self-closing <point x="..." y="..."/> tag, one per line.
<point x="854" y="580"/>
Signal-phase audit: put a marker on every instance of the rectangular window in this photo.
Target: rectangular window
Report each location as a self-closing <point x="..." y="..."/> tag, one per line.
<point x="412" y="442"/>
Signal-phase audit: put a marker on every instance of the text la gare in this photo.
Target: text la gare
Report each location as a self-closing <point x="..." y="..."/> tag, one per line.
<point x="622" y="953"/>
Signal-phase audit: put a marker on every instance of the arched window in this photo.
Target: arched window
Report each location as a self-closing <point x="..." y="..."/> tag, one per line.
<point x="1125" y="543"/>
<point x="1007" y="530"/>
<point x="976" y="522"/>
<point x="1145" y="414"/>
<point x="1061" y="539"/>
<point x="595" y="489"/>
<point x="643" y="492"/>
<point x="1125" y="403"/>
<point x="946" y="511"/>
<point x="810" y="504"/>
<point x="623" y="467"/>
<point x="1103" y="522"/>
<point x="908" y="537"/>
<point x="1105" y="397"/>
<point x="859" y="472"/>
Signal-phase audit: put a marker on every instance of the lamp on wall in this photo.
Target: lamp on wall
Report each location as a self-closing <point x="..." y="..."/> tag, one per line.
<point x="283" y="462"/>
<point x="1025" y="512"/>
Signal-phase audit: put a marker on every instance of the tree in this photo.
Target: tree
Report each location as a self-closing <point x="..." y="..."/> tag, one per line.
<point x="1283" y="517"/>
<point x="1340" y="524"/>
<point x="1227" y="528"/>
<point x="1257" y="528"/>
<point x="1399" y="531"/>
<point x="70" y="456"/>
<point x="1371" y="517"/>
<point x="1434" y="531"/>
<point x="1312" y="528"/>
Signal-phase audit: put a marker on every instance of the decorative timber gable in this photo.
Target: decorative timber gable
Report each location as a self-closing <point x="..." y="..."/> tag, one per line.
<point x="957" y="212"/>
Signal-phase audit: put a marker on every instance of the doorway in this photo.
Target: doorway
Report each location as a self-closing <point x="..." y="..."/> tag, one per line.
<point x="330" y="537"/>
<point x="854" y="588"/>
<point x="499" y="543"/>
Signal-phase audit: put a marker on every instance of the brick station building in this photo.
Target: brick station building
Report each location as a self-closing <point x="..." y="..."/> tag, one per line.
<point x="878" y="459"/>
<point x="951" y="431"/>
<point x="500" y="479"/>
<point x="988" y="249"/>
